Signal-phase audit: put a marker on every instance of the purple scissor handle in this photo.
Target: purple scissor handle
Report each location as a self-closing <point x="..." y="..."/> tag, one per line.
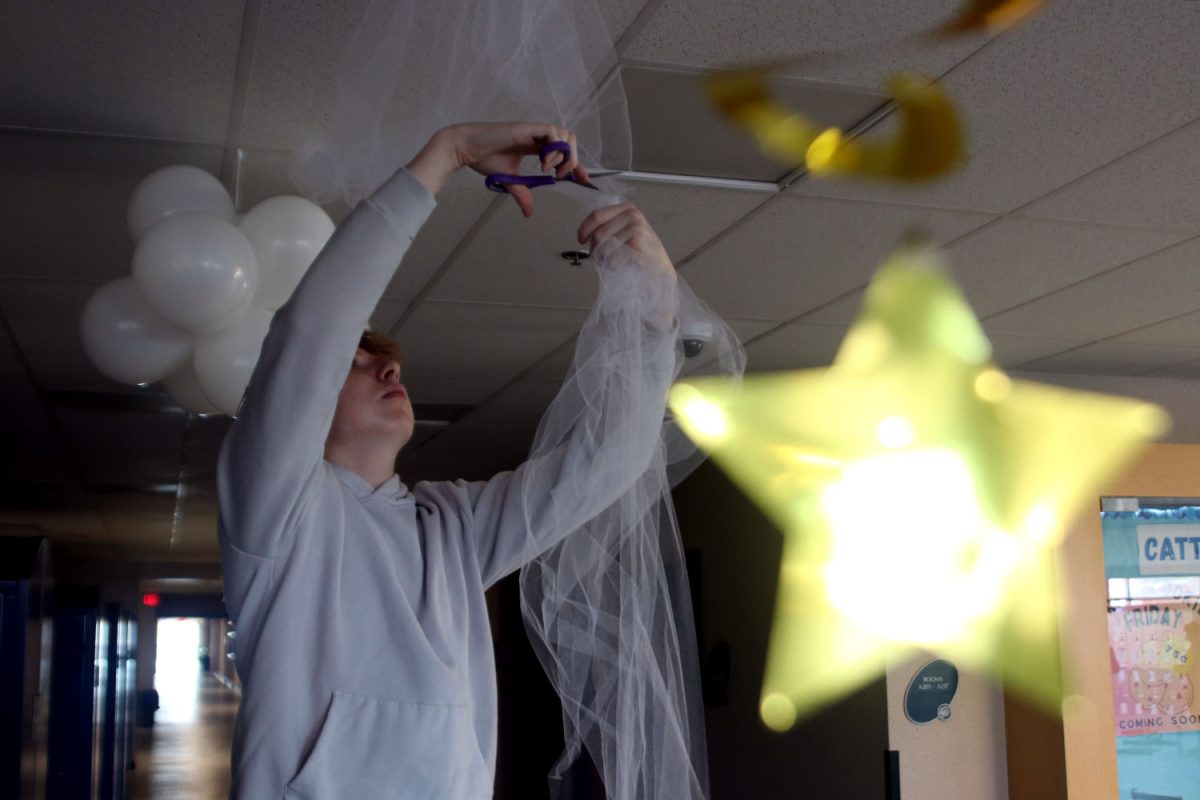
<point x="500" y="181"/>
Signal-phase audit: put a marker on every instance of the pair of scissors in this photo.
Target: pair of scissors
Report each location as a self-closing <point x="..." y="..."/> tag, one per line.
<point x="501" y="181"/>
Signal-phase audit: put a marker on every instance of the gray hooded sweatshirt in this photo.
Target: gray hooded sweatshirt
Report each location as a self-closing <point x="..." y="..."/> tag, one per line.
<point x="363" y="640"/>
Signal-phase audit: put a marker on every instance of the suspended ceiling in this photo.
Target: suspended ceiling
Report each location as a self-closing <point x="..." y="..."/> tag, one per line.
<point x="1073" y="229"/>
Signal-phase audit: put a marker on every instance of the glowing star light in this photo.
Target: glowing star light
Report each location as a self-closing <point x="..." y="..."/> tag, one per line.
<point x="919" y="490"/>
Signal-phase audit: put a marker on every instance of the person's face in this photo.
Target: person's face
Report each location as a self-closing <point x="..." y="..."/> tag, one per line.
<point x="373" y="402"/>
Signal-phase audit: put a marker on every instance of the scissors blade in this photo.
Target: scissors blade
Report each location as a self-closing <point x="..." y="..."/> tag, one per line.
<point x="597" y="173"/>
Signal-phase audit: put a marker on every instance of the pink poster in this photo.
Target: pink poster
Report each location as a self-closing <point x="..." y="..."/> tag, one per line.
<point x="1154" y="650"/>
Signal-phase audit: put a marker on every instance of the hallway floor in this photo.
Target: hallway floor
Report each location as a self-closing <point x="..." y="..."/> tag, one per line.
<point x="185" y="756"/>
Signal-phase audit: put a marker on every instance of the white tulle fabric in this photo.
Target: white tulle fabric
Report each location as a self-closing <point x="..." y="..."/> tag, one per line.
<point x="608" y="609"/>
<point x="414" y="66"/>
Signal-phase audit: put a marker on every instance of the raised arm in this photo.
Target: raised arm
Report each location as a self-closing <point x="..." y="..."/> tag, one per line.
<point x="274" y="450"/>
<point x="603" y="430"/>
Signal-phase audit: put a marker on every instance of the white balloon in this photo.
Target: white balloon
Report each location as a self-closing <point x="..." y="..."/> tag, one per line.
<point x="224" y="361"/>
<point x="287" y="233"/>
<point x="125" y="339"/>
<point x="172" y="190"/>
<point x="183" y="386"/>
<point x="226" y="321"/>
<point x="195" y="271"/>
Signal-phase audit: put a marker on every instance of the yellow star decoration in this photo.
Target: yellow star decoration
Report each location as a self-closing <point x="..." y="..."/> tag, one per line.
<point x="920" y="491"/>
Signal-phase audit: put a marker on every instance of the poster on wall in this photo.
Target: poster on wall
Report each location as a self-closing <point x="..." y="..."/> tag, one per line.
<point x="1154" y="653"/>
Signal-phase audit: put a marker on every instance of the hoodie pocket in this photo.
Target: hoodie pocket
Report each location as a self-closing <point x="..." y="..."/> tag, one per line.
<point x="375" y="749"/>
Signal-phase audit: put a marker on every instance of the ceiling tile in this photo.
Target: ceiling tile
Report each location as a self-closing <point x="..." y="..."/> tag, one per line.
<point x="460" y="204"/>
<point x="1113" y="357"/>
<point x="747" y="330"/>
<point x="676" y="129"/>
<point x="386" y="314"/>
<point x="125" y="450"/>
<point x="1011" y="351"/>
<point x="1155" y="186"/>
<point x="483" y="341"/>
<point x="1182" y="331"/>
<point x="302" y="45"/>
<point x="159" y="70"/>
<point x="64" y="200"/>
<point x="520" y="403"/>
<point x="447" y="389"/>
<point x="1177" y="396"/>
<point x="554" y="367"/>
<point x="714" y="33"/>
<point x="33" y="449"/>
<point x="514" y="260"/>
<point x="1158" y="287"/>
<point x="796" y="253"/>
<point x="798" y="345"/>
<point x="98" y="551"/>
<point x="293" y="83"/>
<point x="1050" y="103"/>
<point x="138" y="520"/>
<point x="1012" y="260"/>
<point x="620" y="14"/>
<point x="79" y="376"/>
<point x="1189" y="370"/>
<point x="266" y="173"/>
<point x="76" y="522"/>
<point x="509" y="443"/>
<point x="686" y="217"/>
<point x="45" y="317"/>
<point x="842" y="311"/>
<point x="811" y="343"/>
<point x="1041" y="104"/>
<point x="194" y="526"/>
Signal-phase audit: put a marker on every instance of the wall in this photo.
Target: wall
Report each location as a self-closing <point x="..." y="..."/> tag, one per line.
<point x="147" y="646"/>
<point x="1090" y="751"/>
<point x="220" y="645"/>
<point x="837" y="754"/>
<point x="1046" y="758"/>
<point x="122" y="582"/>
<point x="961" y="758"/>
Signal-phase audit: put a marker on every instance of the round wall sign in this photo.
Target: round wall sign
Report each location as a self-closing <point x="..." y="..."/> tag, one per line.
<point x="930" y="691"/>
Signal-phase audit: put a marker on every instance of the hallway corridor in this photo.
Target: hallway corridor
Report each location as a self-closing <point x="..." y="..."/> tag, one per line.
<point x="185" y="756"/>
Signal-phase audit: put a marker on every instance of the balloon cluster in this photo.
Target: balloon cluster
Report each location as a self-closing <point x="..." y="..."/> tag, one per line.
<point x="204" y="287"/>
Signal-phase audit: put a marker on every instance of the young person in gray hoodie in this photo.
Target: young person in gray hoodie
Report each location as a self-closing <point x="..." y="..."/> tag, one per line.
<point x="363" y="639"/>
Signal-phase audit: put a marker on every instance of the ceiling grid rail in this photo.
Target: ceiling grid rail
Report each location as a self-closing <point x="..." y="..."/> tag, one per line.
<point x="231" y="158"/>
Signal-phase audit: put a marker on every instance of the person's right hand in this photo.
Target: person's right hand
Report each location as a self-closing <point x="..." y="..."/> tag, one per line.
<point x="489" y="148"/>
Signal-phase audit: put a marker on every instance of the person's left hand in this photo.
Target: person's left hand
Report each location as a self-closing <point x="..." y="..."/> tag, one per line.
<point x="624" y="225"/>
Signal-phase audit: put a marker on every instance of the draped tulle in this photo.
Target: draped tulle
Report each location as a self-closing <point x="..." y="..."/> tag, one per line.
<point x="608" y="609"/>
<point x="414" y="66"/>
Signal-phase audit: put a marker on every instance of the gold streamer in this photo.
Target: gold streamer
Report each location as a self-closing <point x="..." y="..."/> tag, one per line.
<point x="990" y="15"/>
<point x="928" y="144"/>
<point x="930" y="140"/>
